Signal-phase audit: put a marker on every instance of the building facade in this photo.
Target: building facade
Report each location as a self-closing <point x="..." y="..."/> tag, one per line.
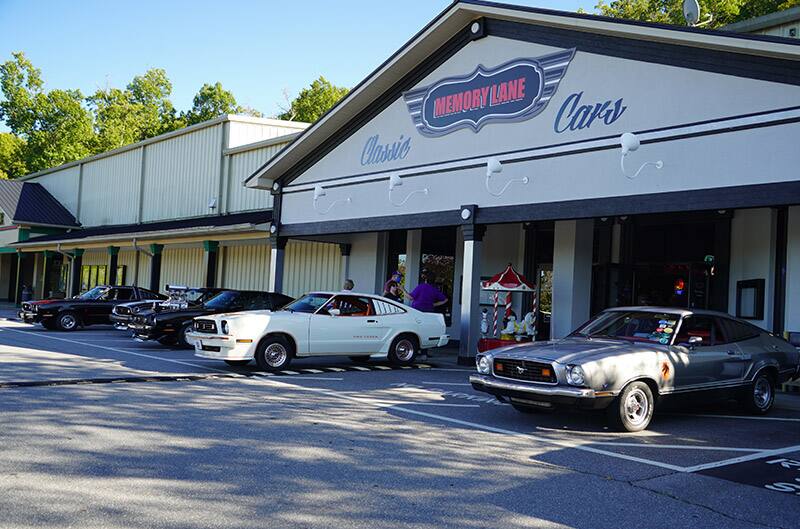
<point x="615" y="163"/>
<point x="167" y="210"/>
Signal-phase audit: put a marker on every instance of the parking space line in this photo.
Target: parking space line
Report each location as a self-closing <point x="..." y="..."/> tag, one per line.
<point x="677" y="447"/>
<point x="445" y="404"/>
<point x="745" y="417"/>
<point x="446" y="383"/>
<point x="478" y="426"/>
<point x="742" y="459"/>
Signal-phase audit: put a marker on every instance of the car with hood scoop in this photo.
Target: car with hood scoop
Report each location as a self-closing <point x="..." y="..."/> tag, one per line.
<point x="178" y="298"/>
<point x="171" y="327"/>
<point x="624" y="360"/>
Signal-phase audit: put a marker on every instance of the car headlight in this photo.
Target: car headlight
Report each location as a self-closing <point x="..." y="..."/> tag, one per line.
<point x="576" y="376"/>
<point x="224" y="326"/>
<point x="484" y="364"/>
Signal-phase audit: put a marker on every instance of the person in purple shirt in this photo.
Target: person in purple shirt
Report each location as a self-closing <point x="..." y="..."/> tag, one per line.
<point x="426" y="297"/>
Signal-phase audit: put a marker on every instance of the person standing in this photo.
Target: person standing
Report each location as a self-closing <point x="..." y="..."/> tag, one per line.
<point x="348" y="285"/>
<point x="426" y="297"/>
<point x="392" y="291"/>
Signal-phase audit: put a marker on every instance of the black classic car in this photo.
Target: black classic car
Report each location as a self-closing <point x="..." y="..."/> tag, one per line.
<point x="91" y="307"/>
<point x="179" y="298"/>
<point x="170" y="328"/>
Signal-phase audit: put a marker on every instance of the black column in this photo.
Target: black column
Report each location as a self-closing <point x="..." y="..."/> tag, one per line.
<point x="718" y="293"/>
<point x="47" y="266"/>
<point x="75" y="272"/>
<point x="155" y="266"/>
<point x="21" y="259"/>
<point x="113" y="252"/>
<point x="211" y="261"/>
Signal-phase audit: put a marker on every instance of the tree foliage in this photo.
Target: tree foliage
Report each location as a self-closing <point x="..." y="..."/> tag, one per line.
<point x="314" y="101"/>
<point x="52" y="127"/>
<point x="213" y="100"/>
<point x="671" y="11"/>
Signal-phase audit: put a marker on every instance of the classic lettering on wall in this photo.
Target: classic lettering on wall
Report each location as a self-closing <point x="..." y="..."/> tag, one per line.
<point x="574" y="116"/>
<point x="514" y="91"/>
<point x="375" y="153"/>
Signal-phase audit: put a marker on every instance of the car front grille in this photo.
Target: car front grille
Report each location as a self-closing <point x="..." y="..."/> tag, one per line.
<point x="120" y="310"/>
<point x="524" y="370"/>
<point x="207" y="326"/>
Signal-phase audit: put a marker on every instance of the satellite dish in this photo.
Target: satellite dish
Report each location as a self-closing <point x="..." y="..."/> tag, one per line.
<point x="691" y="11"/>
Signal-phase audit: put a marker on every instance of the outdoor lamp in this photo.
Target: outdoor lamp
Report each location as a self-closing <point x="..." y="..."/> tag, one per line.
<point x="630" y="143"/>
<point x="493" y="165"/>
<point x="320" y="192"/>
<point x="396" y="181"/>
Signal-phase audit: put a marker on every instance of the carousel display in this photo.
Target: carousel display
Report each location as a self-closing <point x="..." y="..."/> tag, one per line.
<point x="494" y="335"/>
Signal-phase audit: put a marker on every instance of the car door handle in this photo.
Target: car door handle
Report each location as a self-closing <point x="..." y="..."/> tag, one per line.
<point x="734" y="353"/>
<point x="372" y="321"/>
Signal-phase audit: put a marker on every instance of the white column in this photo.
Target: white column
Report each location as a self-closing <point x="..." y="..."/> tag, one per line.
<point x="469" y="329"/>
<point x="277" y="255"/>
<point x="572" y="275"/>
<point x="345" y="251"/>
<point x="413" y="258"/>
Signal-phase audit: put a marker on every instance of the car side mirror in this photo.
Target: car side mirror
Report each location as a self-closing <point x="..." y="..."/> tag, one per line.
<point x="334" y="312"/>
<point x="695" y="341"/>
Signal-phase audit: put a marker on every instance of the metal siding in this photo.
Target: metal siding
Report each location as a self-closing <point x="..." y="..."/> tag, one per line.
<point x="311" y="266"/>
<point x="111" y="189"/>
<point x="99" y="257"/>
<point x="243" y="164"/>
<point x="144" y="271"/>
<point x="128" y="260"/>
<point x="246" y="267"/>
<point x="63" y="185"/>
<point x="181" y="175"/>
<point x="182" y="266"/>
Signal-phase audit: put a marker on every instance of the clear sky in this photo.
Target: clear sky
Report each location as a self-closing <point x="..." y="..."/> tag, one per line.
<point x="258" y="50"/>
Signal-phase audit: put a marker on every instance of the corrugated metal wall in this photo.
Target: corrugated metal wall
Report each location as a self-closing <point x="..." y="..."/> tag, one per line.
<point x="95" y="257"/>
<point x="246" y="267"/>
<point x="182" y="175"/>
<point x="311" y="266"/>
<point x="242" y="165"/>
<point x="63" y="185"/>
<point x="182" y="266"/>
<point x="128" y="260"/>
<point x="111" y="189"/>
<point x="144" y="271"/>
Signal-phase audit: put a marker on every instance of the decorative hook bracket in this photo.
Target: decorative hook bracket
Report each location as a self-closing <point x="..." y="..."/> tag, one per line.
<point x="396" y="181"/>
<point x="320" y="192"/>
<point x="493" y="165"/>
<point x="630" y="143"/>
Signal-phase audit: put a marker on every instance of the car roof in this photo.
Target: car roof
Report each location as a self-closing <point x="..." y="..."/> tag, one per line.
<point x="674" y="310"/>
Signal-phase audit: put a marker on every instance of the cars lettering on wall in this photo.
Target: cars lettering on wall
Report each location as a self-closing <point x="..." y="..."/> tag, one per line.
<point x="320" y="323"/>
<point x="625" y="359"/>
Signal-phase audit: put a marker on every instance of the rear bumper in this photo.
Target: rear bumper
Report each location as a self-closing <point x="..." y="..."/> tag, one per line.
<point x="543" y="396"/>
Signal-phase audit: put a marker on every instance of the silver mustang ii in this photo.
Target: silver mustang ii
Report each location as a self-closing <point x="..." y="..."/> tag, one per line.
<point x="625" y="359"/>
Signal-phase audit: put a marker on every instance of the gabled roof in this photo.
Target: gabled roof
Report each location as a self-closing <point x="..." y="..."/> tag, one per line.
<point x="29" y="203"/>
<point x="446" y="33"/>
<point x="766" y="21"/>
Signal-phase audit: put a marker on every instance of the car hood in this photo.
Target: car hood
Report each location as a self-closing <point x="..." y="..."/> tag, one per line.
<point x="574" y="350"/>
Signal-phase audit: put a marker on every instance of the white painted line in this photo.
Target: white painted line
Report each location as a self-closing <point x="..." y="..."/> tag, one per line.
<point x="312" y="371"/>
<point x="477" y="426"/>
<point x="359" y="368"/>
<point x="445" y="404"/>
<point x="335" y="369"/>
<point x="742" y="459"/>
<point x="113" y="349"/>
<point x="382" y="368"/>
<point x="678" y="447"/>
<point x="745" y="417"/>
<point x="301" y="377"/>
<point x="446" y="383"/>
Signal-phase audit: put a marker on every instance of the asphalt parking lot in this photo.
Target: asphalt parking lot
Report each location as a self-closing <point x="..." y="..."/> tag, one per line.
<point x="99" y="430"/>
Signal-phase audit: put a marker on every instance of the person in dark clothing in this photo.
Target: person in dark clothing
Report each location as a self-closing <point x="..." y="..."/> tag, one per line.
<point x="392" y="291"/>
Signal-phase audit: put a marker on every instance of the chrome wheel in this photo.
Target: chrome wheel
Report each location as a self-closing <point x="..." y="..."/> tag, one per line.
<point x="637" y="407"/>
<point x="762" y="392"/>
<point x="405" y="350"/>
<point x="68" y="322"/>
<point x="275" y="355"/>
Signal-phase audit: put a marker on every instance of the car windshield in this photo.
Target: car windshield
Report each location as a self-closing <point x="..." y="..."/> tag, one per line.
<point x="223" y="300"/>
<point x="309" y="303"/>
<point x="95" y="293"/>
<point x="194" y="295"/>
<point x="639" y="326"/>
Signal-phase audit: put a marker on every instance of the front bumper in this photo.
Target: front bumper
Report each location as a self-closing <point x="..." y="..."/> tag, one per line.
<point x="540" y="395"/>
<point x="146" y="332"/>
<point x="221" y="347"/>
<point x="28" y="317"/>
<point x="121" y="319"/>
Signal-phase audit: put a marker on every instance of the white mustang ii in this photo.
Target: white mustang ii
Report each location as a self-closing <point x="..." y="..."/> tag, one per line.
<point x="318" y="324"/>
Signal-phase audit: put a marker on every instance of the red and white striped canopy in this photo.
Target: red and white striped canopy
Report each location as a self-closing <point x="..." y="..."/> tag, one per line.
<point x="508" y="281"/>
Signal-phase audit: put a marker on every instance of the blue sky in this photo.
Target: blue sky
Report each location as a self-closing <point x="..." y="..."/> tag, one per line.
<point x="257" y="50"/>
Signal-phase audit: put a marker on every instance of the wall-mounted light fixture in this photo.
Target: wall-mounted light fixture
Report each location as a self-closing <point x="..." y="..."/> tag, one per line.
<point x="493" y="166"/>
<point x="396" y="181"/>
<point x="320" y="192"/>
<point x="630" y="143"/>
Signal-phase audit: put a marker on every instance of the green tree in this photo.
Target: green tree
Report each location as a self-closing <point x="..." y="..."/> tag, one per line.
<point x="314" y="101"/>
<point x="671" y="11"/>
<point x="12" y="165"/>
<point x="212" y="101"/>
<point x="55" y="125"/>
